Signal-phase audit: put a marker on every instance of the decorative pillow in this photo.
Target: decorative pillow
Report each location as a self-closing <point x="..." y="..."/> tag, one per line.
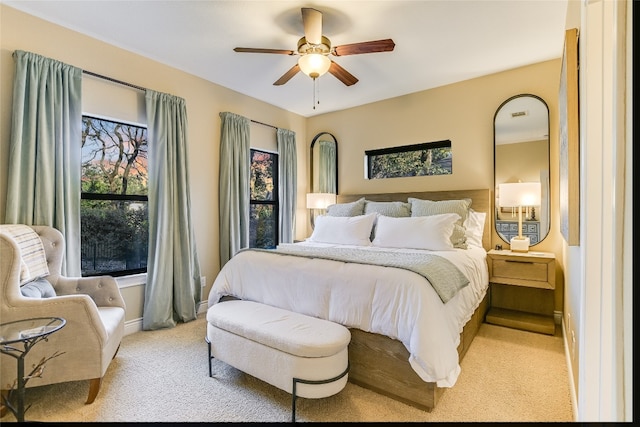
<point x="347" y="209"/>
<point x="474" y="227"/>
<point x="353" y="230"/>
<point x="431" y="232"/>
<point x="38" y="288"/>
<point x="429" y="207"/>
<point x="33" y="260"/>
<point x="393" y="209"/>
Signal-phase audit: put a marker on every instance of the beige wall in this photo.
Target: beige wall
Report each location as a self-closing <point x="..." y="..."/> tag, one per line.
<point x="520" y="162"/>
<point x="461" y="112"/>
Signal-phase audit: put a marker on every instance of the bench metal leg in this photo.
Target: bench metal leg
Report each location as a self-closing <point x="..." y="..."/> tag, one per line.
<point x="299" y="380"/>
<point x="295" y="380"/>
<point x="210" y="357"/>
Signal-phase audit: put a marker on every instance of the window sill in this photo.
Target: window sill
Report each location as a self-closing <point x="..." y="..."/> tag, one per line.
<point x="132" y="280"/>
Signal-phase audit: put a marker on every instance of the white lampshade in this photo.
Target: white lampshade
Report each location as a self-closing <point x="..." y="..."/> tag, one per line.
<point x="320" y="200"/>
<point x="519" y="194"/>
<point x="314" y="64"/>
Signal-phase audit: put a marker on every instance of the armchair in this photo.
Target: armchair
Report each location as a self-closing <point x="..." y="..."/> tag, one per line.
<point x="92" y="306"/>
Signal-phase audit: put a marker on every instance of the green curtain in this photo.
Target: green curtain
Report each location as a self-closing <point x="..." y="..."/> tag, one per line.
<point x="43" y="180"/>
<point x="327" y="165"/>
<point x="235" y="171"/>
<point x="287" y="183"/>
<point x="172" y="291"/>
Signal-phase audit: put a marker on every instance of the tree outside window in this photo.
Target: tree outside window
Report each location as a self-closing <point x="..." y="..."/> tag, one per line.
<point x="429" y="158"/>
<point x="113" y="209"/>
<point x="264" y="205"/>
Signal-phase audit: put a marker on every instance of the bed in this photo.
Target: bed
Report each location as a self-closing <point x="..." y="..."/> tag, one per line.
<point x="406" y="338"/>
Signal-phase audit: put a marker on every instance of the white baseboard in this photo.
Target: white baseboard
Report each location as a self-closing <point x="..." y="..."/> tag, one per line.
<point x="132" y="326"/>
<point x="570" y="370"/>
<point x="202" y="307"/>
<point x="557" y="317"/>
<point x="135" y="325"/>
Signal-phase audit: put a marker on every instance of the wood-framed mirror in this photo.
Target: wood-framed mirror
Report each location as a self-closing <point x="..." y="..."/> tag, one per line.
<point x="323" y="162"/>
<point x="521" y="154"/>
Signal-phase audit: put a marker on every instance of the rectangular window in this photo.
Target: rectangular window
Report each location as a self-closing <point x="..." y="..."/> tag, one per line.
<point x="264" y="205"/>
<point x="429" y="158"/>
<point x="113" y="208"/>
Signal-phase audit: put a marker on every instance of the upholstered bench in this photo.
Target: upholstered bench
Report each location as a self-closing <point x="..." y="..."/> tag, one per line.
<point x="302" y="355"/>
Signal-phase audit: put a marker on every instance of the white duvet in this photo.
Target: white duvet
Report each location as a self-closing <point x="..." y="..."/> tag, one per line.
<point x="389" y="301"/>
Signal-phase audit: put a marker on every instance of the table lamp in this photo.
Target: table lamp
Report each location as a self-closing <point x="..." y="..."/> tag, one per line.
<point x="519" y="195"/>
<point x="319" y="202"/>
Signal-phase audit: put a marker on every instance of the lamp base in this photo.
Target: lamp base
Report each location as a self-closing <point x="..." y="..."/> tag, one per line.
<point x="520" y="244"/>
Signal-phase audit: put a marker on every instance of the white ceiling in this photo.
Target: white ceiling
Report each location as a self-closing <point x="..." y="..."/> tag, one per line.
<point x="521" y="119"/>
<point x="438" y="42"/>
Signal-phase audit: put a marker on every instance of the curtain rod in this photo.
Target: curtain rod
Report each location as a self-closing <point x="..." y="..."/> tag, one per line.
<point x="100" y="76"/>
<point x="113" y="80"/>
<point x="263" y="124"/>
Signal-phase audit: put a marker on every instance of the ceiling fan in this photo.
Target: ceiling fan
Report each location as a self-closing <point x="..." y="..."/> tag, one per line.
<point x="314" y="50"/>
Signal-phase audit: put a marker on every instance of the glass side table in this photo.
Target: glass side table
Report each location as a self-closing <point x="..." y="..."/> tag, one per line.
<point x="27" y="332"/>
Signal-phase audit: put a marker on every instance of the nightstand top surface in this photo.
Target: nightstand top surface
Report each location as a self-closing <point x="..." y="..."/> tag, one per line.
<point x="508" y="252"/>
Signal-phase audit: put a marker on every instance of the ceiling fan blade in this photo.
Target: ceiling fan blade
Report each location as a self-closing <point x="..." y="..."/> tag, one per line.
<point x="312" y="21"/>
<point x="343" y="75"/>
<point x="385" y="45"/>
<point x="258" y="50"/>
<point x="287" y="76"/>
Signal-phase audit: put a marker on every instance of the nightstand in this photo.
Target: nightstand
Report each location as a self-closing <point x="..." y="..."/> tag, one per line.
<point x="522" y="290"/>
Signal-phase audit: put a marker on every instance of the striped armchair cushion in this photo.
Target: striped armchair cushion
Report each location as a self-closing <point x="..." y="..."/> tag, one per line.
<point x="33" y="264"/>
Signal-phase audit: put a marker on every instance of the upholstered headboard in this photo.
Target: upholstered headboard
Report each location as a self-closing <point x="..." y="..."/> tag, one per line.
<point x="480" y="202"/>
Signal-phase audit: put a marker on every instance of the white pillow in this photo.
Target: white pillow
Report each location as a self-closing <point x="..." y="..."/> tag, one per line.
<point x="461" y="207"/>
<point x="343" y="230"/>
<point x="474" y="226"/>
<point x="431" y="232"/>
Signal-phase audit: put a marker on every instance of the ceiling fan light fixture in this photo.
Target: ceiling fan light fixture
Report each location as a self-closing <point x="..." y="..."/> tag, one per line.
<point x="314" y="65"/>
<point x="314" y="50"/>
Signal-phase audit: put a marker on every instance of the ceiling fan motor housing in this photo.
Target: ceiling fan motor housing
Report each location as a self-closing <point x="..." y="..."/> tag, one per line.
<point x="304" y="47"/>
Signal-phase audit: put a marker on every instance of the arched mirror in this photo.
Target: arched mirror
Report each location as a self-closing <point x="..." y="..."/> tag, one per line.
<point x="324" y="163"/>
<point x="521" y="154"/>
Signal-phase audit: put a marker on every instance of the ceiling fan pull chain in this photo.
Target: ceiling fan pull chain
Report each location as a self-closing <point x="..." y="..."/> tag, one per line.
<point x="314" y="93"/>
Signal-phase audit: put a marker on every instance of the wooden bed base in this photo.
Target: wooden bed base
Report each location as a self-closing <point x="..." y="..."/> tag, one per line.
<point x="380" y="363"/>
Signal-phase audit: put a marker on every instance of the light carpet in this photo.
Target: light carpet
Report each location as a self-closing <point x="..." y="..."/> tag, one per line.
<point x="162" y="376"/>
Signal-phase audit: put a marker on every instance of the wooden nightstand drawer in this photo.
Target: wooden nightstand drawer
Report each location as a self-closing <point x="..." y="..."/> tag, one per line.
<point x="516" y="269"/>
<point x="530" y="269"/>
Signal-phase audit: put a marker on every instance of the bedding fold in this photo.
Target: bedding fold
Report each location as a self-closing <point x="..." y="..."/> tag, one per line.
<point x="443" y="275"/>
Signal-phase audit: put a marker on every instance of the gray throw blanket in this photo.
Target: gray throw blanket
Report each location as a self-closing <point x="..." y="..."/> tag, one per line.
<point x="443" y="275"/>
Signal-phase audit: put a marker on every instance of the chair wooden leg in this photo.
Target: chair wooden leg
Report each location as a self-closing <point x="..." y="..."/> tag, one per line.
<point x="94" y="388"/>
<point x="94" y="384"/>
